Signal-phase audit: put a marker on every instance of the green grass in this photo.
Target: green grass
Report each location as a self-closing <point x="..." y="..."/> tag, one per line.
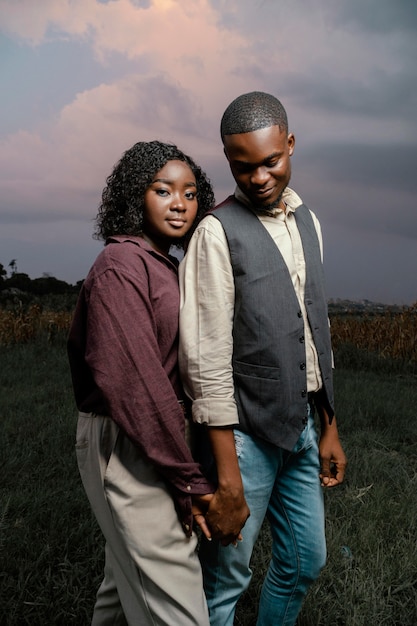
<point x="370" y="578"/>
<point x="51" y="549"/>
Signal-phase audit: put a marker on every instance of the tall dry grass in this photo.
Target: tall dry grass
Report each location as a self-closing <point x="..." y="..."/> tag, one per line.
<point x="21" y="324"/>
<point x="389" y="335"/>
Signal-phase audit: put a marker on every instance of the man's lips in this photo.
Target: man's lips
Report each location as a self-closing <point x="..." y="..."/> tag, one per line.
<point x="263" y="193"/>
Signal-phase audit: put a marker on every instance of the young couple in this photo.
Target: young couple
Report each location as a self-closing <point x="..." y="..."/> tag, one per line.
<point x="255" y="358"/>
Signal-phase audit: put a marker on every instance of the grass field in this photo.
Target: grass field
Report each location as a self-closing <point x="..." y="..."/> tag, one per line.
<point x="51" y="549"/>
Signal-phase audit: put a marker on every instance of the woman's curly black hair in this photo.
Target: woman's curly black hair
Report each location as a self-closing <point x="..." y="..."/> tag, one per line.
<point x="122" y="201"/>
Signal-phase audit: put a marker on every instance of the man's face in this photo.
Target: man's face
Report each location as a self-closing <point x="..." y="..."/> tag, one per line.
<point x="260" y="164"/>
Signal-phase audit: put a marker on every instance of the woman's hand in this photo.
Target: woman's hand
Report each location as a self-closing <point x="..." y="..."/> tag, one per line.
<point x="199" y="508"/>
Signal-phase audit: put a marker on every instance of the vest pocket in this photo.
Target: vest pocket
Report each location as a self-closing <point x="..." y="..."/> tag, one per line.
<point x="257" y="391"/>
<point x="253" y="370"/>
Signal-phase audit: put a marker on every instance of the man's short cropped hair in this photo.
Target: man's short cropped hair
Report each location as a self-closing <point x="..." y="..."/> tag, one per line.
<point x="253" y="111"/>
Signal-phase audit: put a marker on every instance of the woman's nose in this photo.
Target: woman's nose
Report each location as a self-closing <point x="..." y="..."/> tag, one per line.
<point x="177" y="203"/>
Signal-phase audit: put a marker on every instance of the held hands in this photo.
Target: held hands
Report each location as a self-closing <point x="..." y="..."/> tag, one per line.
<point x="226" y="515"/>
<point x="212" y="514"/>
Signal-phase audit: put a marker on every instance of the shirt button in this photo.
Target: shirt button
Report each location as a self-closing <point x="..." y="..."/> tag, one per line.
<point x="188" y="488"/>
<point x="187" y="527"/>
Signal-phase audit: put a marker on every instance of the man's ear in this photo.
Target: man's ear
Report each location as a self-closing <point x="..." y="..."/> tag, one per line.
<point x="225" y="153"/>
<point x="291" y="143"/>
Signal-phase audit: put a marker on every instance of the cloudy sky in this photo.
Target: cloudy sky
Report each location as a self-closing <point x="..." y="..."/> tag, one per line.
<point x="82" y="80"/>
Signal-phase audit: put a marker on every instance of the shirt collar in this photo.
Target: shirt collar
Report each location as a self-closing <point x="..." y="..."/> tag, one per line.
<point x="291" y="199"/>
<point x="141" y="243"/>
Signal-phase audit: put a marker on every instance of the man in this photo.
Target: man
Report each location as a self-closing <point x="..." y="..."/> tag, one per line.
<point x="256" y="360"/>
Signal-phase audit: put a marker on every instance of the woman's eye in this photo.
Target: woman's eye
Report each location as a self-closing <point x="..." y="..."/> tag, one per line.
<point x="161" y="192"/>
<point x="190" y="195"/>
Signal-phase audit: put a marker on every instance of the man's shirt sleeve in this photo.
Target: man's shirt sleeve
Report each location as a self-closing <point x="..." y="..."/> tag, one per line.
<point x="206" y="323"/>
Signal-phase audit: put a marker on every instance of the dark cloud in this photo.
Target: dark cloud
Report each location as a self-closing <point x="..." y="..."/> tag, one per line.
<point x="56" y="204"/>
<point x="381" y="95"/>
<point x="382" y="166"/>
<point x="370" y="190"/>
<point x="366" y="265"/>
<point x="379" y="16"/>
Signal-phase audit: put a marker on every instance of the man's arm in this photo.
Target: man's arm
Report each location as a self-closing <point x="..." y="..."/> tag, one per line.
<point x="227" y="511"/>
<point x="205" y="356"/>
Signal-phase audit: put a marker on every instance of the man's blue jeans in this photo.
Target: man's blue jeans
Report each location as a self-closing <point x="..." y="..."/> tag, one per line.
<point x="284" y="486"/>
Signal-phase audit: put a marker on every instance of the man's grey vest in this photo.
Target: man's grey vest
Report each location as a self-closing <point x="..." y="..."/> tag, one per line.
<point x="269" y="359"/>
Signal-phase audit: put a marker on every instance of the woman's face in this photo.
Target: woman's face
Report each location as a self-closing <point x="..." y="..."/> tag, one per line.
<point x="170" y="205"/>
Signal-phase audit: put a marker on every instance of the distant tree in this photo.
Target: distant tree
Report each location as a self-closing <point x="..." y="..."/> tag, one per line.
<point x="49" y="284"/>
<point x="3" y="276"/>
<point x="19" y="281"/>
<point x="13" y="266"/>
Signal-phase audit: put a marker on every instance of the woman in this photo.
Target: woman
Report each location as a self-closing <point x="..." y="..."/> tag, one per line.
<point x="138" y="473"/>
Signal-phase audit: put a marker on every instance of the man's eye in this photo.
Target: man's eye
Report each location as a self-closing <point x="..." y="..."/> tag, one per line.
<point x="243" y="169"/>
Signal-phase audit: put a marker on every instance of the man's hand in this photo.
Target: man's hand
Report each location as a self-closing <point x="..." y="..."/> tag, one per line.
<point x="332" y="457"/>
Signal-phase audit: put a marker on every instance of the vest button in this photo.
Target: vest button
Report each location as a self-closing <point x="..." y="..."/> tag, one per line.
<point x="301" y="339"/>
<point x="303" y="393"/>
<point x="302" y="366"/>
<point x="300" y="314"/>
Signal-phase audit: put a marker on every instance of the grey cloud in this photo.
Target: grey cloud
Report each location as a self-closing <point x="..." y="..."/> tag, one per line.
<point x="384" y="166"/>
<point x="373" y="16"/>
<point x="381" y="95"/>
<point x="141" y="4"/>
<point x="379" y="16"/>
<point x="317" y="72"/>
<point x="368" y="189"/>
<point x="60" y="204"/>
<point x="154" y="101"/>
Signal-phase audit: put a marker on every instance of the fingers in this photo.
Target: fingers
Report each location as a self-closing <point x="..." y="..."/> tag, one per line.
<point x="233" y="541"/>
<point x="328" y="481"/>
<point x="200" y="520"/>
<point x="332" y="474"/>
<point x="225" y="529"/>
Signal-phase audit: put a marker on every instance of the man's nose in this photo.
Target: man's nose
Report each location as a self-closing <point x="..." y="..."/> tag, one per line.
<point x="259" y="176"/>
